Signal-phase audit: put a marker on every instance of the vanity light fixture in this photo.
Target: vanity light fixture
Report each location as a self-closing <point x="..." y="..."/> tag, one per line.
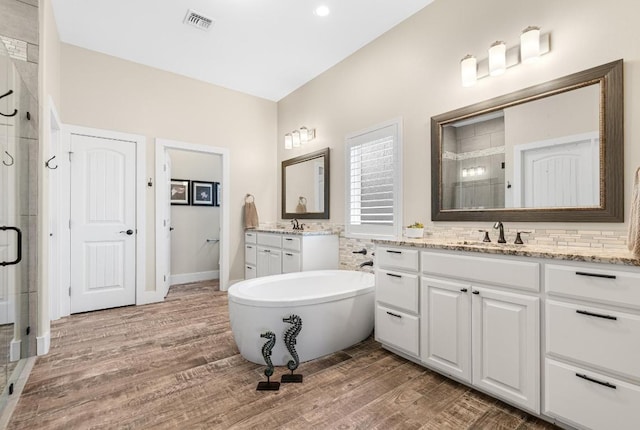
<point x="533" y="44"/>
<point x="530" y="44"/>
<point x="468" y="70"/>
<point x="299" y="137"/>
<point x="497" y="58"/>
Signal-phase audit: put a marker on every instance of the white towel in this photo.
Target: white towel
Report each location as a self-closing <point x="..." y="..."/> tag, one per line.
<point x="633" y="240"/>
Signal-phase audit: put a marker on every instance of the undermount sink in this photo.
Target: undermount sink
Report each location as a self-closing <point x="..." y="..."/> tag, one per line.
<point x="487" y="244"/>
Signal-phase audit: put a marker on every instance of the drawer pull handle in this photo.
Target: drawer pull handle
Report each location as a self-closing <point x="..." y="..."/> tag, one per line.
<point x="606" y="384"/>
<point x="287" y="238"/>
<point x="394" y="315"/>
<point x="267" y="250"/>
<point x="464" y="290"/>
<point x="391" y="251"/>
<point x="476" y="292"/>
<point x="249" y="247"/>
<point x="288" y="254"/>
<point x="394" y="275"/>
<point x="591" y="314"/>
<point x="596" y="275"/>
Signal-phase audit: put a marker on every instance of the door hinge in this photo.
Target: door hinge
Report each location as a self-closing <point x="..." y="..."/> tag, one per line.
<point x="69" y="291"/>
<point x="70" y="152"/>
<point x="165" y="167"/>
<point x="69" y="224"/>
<point x="165" y="278"/>
<point x="28" y="331"/>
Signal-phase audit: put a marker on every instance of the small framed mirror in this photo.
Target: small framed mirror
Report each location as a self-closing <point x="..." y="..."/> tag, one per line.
<point x="551" y="152"/>
<point x="305" y="186"/>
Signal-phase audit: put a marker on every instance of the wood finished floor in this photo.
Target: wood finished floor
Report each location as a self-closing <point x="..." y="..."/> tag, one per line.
<point x="175" y="365"/>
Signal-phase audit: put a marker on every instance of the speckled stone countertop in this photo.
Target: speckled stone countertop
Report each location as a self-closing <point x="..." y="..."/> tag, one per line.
<point x="290" y="231"/>
<point x="590" y="255"/>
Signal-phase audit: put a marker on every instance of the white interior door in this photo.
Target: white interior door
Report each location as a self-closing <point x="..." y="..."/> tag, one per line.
<point x="103" y="223"/>
<point x="167" y="223"/>
<point x="7" y="238"/>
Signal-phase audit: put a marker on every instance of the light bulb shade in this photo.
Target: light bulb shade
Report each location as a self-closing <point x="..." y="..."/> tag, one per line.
<point x="304" y="135"/>
<point x="530" y="44"/>
<point x="497" y="58"/>
<point x="468" y="71"/>
<point x="295" y="137"/>
<point x="288" y="141"/>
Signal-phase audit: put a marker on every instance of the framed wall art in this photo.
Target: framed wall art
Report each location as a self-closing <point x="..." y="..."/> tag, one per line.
<point x="203" y="193"/>
<point x="180" y="191"/>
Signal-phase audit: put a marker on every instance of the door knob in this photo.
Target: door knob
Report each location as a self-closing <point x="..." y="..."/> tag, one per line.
<point x="128" y="232"/>
<point x="171" y="228"/>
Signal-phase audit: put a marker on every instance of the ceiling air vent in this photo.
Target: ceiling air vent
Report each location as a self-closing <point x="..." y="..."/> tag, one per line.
<point x="198" y="20"/>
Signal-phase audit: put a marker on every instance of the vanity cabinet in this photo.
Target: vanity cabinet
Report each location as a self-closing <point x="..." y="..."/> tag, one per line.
<point x="480" y="333"/>
<point x="275" y="253"/>
<point x="592" y="345"/>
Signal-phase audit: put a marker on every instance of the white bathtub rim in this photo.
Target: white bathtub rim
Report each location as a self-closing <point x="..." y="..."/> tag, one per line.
<point x="236" y="295"/>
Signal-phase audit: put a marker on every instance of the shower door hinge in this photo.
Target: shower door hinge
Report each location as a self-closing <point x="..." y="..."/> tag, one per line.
<point x="28" y="331"/>
<point x="11" y="388"/>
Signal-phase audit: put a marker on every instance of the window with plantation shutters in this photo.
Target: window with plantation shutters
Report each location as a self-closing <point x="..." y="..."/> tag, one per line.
<point x="373" y="181"/>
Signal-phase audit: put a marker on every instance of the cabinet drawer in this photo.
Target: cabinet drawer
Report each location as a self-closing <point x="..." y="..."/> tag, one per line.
<point x="588" y="403"/>
<point x="251" y="237"/>
<point x="273" y="240"/>
<point x="397" y="289"/>
<point x="522" y="275"/>
<point x="290" y="262"/>
<point x="249" y="272"/>
<point x="291" y="243"/>
<point x="397" y="329"/>
<point x="604" y="338"/>
<point x="592" y="283"/>
<point x="250" y="254"/>
<point x="398" y="258"/>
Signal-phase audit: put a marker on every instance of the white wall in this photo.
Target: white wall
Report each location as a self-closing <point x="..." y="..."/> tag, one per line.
<point x="413" y="71"/>
<point x="193" y="225"/>
<point x="105" y="92"/>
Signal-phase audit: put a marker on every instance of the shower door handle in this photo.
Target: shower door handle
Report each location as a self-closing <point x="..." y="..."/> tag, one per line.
<point x="19" y="256"/>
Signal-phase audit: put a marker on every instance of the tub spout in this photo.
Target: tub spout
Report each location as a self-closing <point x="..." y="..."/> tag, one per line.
<point x="367" y="263"/>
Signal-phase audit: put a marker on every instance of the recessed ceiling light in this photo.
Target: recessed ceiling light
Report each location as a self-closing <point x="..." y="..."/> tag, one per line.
<point x="322" y="10"/>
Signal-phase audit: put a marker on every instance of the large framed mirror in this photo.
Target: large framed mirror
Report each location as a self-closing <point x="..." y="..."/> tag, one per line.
<point x="305" y="186"/>
<point x="552" y="152"/>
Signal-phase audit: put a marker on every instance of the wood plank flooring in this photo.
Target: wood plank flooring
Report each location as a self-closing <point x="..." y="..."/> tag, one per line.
<point x="175" y="365"/>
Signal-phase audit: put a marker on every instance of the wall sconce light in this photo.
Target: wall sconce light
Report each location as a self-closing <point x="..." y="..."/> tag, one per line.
<point x="299" y="137"/>
<point x="533" y="44"/>
<point x="530" y="44"/>
<point x="497" y="58"/>
<point x="468" y="70"/>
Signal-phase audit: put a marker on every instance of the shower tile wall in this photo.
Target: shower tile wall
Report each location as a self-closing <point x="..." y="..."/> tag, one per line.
<point x="475" y="147"/>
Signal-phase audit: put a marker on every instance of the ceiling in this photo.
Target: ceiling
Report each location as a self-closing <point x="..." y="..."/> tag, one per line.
<point x="266" y="48"/>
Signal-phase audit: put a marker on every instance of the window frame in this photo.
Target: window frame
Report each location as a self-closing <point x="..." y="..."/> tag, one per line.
<point x="368" y="231"/>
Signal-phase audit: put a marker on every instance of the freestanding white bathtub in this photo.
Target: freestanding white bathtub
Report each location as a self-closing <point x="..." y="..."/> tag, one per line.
<point x="336" y="307"/>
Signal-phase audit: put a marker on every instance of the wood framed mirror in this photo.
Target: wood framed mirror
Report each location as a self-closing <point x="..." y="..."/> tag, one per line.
<point x="305" y="186"/>
<point x="552" y="152"/>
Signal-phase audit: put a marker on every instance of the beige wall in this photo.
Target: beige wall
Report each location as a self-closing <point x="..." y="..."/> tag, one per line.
<point x="193" y="225"/>
<point x="413" y="71"/>
<point x="105" y="92"/>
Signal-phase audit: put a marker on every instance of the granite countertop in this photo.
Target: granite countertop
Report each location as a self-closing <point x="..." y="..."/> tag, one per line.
<point x="290" y="231"/>
<point x="591" y="255"/>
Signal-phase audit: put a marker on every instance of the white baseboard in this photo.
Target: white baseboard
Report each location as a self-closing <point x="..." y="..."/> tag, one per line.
<point x="43" y="343"/>
<point x="14" y="350"/>
<point x="187" y="278"/>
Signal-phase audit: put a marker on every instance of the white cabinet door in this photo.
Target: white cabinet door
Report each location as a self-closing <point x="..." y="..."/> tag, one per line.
<point x="269" y="261"/>
<point x="506" y="346"/>
<point x="446" y="326"/>
<point x="291" y="262"/>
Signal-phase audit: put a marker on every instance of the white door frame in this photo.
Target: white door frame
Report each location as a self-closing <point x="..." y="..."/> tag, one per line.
<point x="56" y="275"/>
<point x="161" y="146"/>
<point x="142" y="295"/>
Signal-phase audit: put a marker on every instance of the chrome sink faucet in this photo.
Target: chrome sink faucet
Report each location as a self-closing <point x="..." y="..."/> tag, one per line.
<point x="499" y="226"/>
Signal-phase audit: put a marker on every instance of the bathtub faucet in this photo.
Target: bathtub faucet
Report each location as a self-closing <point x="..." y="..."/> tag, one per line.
<point x="366" y="263"/>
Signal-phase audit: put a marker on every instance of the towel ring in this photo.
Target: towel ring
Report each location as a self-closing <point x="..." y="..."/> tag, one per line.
<point x="302" y="200"/>
<point x="249" y="196"/>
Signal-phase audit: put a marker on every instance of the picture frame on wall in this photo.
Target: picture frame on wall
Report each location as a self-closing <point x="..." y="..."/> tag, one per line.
<point x="217" y="194"/>
<point x="203" y="193"/>
<point x="180" y="192"/>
